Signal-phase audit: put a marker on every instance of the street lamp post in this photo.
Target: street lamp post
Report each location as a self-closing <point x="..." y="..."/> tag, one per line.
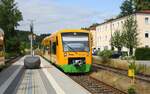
<point x="31" y="43"/>
<point x="31" y="38"/>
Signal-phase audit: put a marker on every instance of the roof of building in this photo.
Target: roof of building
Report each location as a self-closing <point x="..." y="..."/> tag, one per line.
<point x="144" y="11"/>
<point x="112" y="19"/>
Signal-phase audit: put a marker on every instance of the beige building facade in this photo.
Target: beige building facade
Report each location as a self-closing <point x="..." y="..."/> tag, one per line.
<point x="103" y="32"/>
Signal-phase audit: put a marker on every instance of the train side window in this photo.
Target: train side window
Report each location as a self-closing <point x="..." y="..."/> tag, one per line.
<point x="54" y="47"/>
<point x="56" y="40"/>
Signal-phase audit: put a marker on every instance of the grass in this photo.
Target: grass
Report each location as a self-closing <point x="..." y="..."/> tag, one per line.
<point x="123" y="64"/>
<point x="121" y="82"/>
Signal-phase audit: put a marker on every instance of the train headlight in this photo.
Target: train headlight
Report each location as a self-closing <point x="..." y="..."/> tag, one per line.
<point x="65" y="54"/>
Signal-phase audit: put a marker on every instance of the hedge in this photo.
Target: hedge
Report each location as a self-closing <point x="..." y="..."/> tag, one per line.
<point x="142" y="54"/>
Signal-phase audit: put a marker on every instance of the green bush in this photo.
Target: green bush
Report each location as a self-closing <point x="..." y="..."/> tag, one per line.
<point x="105" y="55"/>
<point x="142" y="53"/>
<point x="8" y="55"/>
<point x="131" y="90"/>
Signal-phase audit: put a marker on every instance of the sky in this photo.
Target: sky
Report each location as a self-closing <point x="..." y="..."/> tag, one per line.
<point x="52" y="15"/>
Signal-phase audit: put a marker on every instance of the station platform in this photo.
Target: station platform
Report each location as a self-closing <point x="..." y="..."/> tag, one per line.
<point x="47" y="80"/>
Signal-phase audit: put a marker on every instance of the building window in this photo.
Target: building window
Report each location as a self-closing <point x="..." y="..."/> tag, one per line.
<point x="146" y="46"/>
<point x="146" y="20"/>
<point x="105" y="37"/>
<point x="121" y="22"/>
<point x="118" y="24"/>
<point x="146" y="35"/>
<point x="105" y="47"/>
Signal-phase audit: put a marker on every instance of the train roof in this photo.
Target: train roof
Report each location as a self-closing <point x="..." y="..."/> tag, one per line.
<point x="72" y="30"/>
<point x="52" y="36"/>
<point x="68" y="30"/>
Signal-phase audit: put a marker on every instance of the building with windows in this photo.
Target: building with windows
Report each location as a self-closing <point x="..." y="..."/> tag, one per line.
<point x="103" y="32"/>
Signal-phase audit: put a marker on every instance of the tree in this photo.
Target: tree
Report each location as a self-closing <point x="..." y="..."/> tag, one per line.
<point x="141" y="5"/>
<point x="130" y="34"/>
<point x="127" y="8"/>
<point x="9" y="18"/>
<point x="117" y="40"/>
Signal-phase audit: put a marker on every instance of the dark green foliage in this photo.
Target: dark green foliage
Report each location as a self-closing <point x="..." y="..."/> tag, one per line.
<point x="131" y="90"/>
<point x="12" y="44"/>
<point x="105" y="55"/>
<point x="24" y="41"/>
<point x="127" y="8"/>
<point x="141" y="5"/>
<point x="9" y="18"/>
<point x="142" y="53"/>
<point x="23" y="35"/>
<point x="10" y="54"/>
<point x="131" y="6"/>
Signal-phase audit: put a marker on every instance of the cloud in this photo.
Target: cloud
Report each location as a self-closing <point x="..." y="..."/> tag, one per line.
<point x="51" y="16"/>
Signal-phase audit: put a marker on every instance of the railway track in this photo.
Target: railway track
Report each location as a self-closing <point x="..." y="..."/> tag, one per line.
<point x="95" y="86"/>
<point x="12" y="59"/>
<point x="141" y="77"/>
<point x="9" y="61"/>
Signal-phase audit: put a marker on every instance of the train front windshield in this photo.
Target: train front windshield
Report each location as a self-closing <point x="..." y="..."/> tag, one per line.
<point x="75" y="42"/>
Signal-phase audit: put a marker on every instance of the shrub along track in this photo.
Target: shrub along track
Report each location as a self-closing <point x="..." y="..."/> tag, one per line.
<point x="139" y="76"/>
<point x="93" y="85"/>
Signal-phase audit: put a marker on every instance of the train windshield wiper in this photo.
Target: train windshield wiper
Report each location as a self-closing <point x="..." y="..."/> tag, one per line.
<point x="68" y="46"/>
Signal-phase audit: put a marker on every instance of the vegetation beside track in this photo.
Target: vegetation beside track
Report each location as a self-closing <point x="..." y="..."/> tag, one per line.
<point x="121" y="82"/>
<point x="123" y="65"/>
<point x="117" y="80"/>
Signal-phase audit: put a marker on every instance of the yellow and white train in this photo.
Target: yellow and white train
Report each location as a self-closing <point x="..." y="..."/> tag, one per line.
<point x="71" y="50"/>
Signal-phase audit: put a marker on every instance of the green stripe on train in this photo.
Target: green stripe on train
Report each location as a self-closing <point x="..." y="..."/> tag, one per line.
<point x="73" y="69"/>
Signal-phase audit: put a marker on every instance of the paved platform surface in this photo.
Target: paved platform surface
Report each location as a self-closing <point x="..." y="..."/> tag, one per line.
<point x="10" y="76"/>
<point x="34" y="82"/>
<point x="47" y="80"/>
